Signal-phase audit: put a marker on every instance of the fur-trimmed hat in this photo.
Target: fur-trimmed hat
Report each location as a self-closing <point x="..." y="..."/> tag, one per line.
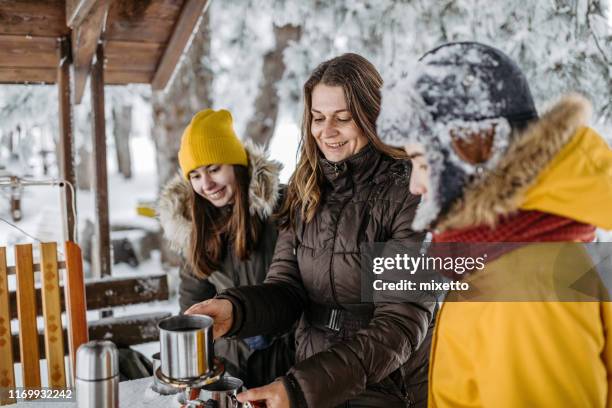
<point x="464" y="102"/>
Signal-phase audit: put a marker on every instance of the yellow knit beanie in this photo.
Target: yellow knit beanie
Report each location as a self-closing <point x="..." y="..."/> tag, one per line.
<point x="210" y="139"/>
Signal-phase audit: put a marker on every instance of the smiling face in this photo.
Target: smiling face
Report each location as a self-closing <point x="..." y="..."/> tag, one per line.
<point x="332" y="126"/>
<point x="214" y="183"/>
<point x="419" y="177"/>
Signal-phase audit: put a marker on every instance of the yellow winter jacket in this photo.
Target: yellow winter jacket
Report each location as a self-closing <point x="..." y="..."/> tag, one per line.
<point x="535" y="354"/>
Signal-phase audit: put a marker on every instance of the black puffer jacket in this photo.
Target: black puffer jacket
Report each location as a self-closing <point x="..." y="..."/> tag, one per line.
<point x="254" y="367"/>
<point x="365" y="199"/>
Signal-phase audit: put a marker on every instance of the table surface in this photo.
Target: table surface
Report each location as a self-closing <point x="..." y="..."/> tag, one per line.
<point x="135" y="393"/>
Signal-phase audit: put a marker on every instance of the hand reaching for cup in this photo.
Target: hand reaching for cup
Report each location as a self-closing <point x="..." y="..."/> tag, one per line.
<point x="273" y="395"/>
<point x="221" y="312"/>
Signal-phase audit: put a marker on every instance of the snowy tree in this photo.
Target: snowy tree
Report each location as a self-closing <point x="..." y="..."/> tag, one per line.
<point x="563" y="45"/>
<point x="189" y="92"/>
<point x="260" y="128"/>
<point x="23" y="109"/>
<point x="241" y="34"/>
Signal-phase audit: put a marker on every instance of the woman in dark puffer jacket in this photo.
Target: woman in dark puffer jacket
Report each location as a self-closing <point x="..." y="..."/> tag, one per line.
<point x="348" y="189"/>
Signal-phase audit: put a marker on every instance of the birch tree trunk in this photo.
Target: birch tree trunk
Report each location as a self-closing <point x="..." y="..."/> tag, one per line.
<point x="122" y="127"/>
<point x="260" y="127"/>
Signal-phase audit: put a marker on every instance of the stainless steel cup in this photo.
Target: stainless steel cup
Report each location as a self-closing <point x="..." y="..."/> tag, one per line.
<point x="223" y="392"/>
<point x="186" y="347"/>
<point x="97" y="375"/>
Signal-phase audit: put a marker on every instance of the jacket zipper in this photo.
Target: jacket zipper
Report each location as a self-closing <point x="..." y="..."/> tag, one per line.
<point x="331" y="261"/>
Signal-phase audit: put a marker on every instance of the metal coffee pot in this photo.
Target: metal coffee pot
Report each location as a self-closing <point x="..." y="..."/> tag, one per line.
<point x="221" y="394"/>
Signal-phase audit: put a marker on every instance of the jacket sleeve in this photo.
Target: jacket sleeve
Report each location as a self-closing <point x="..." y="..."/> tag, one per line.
<point x="395" y="332"/>
<point x="192" y="289"/>
<point x="274" y="306"/>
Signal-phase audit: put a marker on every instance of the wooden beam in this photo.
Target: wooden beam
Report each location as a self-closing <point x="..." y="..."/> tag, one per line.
<point x="102" y="249"/>
<point x="149" y="31"/>
<point x="190" y="15"/>
<point x="124" y="331"/>
<point x="77" y="11"/>
<point x="36" y="267"/>
<point x="66" y="138"/>
<point x="144" y="21"/>
<point x="21" y="75"/>
<point x="22" y="51"/>
<point x="128" y="56"/>
<point x="85" y="39"/>
<point x="35" y="18"/>
<point x="109" y="293"/>
<point x="127" y="77"/>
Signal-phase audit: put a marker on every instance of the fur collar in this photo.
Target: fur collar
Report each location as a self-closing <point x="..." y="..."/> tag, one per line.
<point x="175" y="213"/>
<point x="501" y="190"/>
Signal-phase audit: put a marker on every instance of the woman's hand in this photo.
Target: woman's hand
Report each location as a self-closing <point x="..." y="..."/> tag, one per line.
<point x="220" y="310"/>
<point x="274" y="395"/>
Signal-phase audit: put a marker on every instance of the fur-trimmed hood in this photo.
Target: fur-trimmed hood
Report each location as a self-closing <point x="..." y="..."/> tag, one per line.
<point x="174" y="209"/>
<point x="549" y="167"/>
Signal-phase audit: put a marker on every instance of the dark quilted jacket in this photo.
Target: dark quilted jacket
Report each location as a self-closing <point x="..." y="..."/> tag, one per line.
<point x="365" y="198"/>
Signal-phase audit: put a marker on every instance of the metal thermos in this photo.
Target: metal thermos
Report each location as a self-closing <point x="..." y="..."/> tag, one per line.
<point x="97" y="375"/>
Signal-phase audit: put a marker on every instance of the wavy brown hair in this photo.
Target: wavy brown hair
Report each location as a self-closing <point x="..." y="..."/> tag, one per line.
<point x="361" y="83"/>
<point x="217" y="230"/>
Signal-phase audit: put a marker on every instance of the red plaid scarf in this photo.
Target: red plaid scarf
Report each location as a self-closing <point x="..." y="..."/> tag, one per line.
<point x="524" y="226"/>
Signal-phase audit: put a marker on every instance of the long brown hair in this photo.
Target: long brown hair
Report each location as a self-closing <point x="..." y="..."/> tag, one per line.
<point x="361" y="83"/>
<point x="216" y="230"/>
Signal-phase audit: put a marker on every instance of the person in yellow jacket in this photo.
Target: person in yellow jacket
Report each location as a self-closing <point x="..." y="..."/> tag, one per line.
<point x="491" y="170"/>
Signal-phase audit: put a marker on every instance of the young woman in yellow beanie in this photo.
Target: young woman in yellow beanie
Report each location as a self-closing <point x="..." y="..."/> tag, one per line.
<point x="218" y="216"/>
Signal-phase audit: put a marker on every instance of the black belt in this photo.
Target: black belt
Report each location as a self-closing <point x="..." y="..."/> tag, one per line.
<point x="351" y="317"/>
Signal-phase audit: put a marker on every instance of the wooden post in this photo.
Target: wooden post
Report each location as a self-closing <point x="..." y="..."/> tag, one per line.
<point x="102" y="247"/>
<point x="66" y="138"/>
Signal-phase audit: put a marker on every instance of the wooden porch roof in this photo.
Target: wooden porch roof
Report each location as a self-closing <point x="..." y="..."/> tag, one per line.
<point x="143" y="39"/>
